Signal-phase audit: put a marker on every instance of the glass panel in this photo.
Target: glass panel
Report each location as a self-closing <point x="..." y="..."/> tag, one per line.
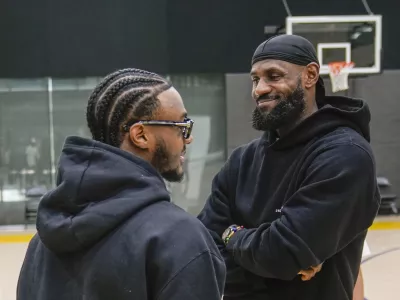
<point x="204" y="98"/>
<point x="70" y="97"/>
<point x="359" y="35"/>
<point x="24" y="139"/>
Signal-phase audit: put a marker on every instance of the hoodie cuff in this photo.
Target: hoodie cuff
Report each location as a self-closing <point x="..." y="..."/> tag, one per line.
<point x="231" y="245"/>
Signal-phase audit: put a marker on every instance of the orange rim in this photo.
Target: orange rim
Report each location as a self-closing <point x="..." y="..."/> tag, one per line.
<point x="337" y="66"/>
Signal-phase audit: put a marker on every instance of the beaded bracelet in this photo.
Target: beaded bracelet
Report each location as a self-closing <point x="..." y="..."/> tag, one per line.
<point x="230" y="231"/>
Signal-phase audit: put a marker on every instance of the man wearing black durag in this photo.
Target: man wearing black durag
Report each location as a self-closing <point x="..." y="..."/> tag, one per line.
<point x="298" y="201"/>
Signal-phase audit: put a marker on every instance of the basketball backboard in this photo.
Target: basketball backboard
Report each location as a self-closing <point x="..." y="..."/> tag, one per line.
<point x="355" y="39"/>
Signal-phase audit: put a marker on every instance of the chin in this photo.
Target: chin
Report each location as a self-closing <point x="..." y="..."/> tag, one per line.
<point x="173" y="175"/>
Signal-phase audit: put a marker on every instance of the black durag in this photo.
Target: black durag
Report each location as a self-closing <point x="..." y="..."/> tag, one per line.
<point x="293" y="49"/>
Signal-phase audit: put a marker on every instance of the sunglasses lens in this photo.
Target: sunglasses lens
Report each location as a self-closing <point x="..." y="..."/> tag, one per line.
<point x="186" y="131"/>
<point x="189" y="130"/>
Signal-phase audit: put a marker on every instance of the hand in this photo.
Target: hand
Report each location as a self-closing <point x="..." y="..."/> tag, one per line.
<point x="310" y="272"/>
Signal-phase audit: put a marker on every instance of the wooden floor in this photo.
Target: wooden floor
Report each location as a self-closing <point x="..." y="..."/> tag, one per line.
<point x="381" y="272"/>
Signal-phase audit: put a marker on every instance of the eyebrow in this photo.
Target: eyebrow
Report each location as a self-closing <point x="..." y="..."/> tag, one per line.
<point x="273" y="68"/>
<point x="184" y="115"/>
<point x="252" y="73"/>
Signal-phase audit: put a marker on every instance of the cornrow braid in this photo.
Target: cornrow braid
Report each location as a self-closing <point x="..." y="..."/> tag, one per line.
<point x="90" y="112"/>
<point x="93" y="100"/>
<point x="123" y="105"/>
<point x="107" y="100"/>
<point x="122" y="95"/>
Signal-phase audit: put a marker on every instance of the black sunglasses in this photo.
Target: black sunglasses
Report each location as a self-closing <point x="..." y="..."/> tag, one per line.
<point x="186" y="125"/>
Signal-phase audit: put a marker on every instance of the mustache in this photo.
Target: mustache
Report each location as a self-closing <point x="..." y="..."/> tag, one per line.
<point x="267" y="97"/>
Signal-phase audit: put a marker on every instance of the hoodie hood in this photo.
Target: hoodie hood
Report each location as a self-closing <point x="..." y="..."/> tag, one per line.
<point x="98" y="188"/>
<point x="333" y="112"/>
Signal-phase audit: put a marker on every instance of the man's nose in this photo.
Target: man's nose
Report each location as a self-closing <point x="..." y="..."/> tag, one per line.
<point x="262" y="88"/>
<point x="189" y="140"/>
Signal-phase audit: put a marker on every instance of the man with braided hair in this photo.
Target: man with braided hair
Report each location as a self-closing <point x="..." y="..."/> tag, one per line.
<point x="108" y="230"/>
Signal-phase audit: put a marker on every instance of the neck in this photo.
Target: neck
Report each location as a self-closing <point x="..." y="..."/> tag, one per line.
<point x="284" y="130"/>
<point x="128" y="147"/>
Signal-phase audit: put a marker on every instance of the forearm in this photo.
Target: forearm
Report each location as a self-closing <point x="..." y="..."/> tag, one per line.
<point x="316" y="222"/>
<point x="270" y="260"/>
<point x="235" y="274"/>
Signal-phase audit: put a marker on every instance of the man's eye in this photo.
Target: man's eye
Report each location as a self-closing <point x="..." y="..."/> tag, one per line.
<point x="275" y="77"/>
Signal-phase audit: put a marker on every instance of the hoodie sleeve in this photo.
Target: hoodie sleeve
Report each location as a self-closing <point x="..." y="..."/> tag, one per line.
<point x="200" y="279"/>
<point x="216" y="216"/>
<point x="337" y="200"/>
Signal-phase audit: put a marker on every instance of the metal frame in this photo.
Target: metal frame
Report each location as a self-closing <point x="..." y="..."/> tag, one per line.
<point x="51" y="134"/>
<point x="345" y="19"/>
<point x="322" y="46"/>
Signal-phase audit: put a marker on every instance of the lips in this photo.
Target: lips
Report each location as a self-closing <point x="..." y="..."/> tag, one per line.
<point x="182" y="157"/>
<point x="264" y="100"/>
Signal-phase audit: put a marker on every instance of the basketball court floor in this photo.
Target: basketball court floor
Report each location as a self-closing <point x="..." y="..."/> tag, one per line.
<point x="381" y="269"/>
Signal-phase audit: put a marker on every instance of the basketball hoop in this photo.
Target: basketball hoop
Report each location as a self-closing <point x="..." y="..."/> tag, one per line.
<point x="339" y="73"/>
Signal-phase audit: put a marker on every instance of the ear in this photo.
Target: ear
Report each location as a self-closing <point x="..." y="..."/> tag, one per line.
<point x="312" y="75"/>
<point x="139" y="136"/>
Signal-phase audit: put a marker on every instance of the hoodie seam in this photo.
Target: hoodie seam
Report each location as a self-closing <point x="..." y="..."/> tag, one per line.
<point x="78" y="190"/>
<point x="344" y="131"/>
<point x="179" y="271"/>
<point x="348" y="143"/>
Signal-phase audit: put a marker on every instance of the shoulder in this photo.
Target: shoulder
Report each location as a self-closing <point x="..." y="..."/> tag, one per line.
<point x="172" y="240"/>
<point x="343" y="136"/>
<point x="239" y="159"/>
<point x="345" y="143"/>
<point x="244" y="155"/>
<point x="189" y="228"/>
<point x="170" y="228"/>
<point x="348" y="154"/>
<point x="248" y="148"/>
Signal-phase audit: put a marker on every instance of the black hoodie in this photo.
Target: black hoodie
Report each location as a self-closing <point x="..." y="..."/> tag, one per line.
<point x="109" y="231"/>
<point x="304" y="199"/>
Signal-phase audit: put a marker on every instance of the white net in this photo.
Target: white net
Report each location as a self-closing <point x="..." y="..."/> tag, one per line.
<point x="339" y="73"/>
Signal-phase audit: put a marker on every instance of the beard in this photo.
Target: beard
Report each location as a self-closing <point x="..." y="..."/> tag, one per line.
<point x="163" y="161"/>
<point x="286" y="112"/>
